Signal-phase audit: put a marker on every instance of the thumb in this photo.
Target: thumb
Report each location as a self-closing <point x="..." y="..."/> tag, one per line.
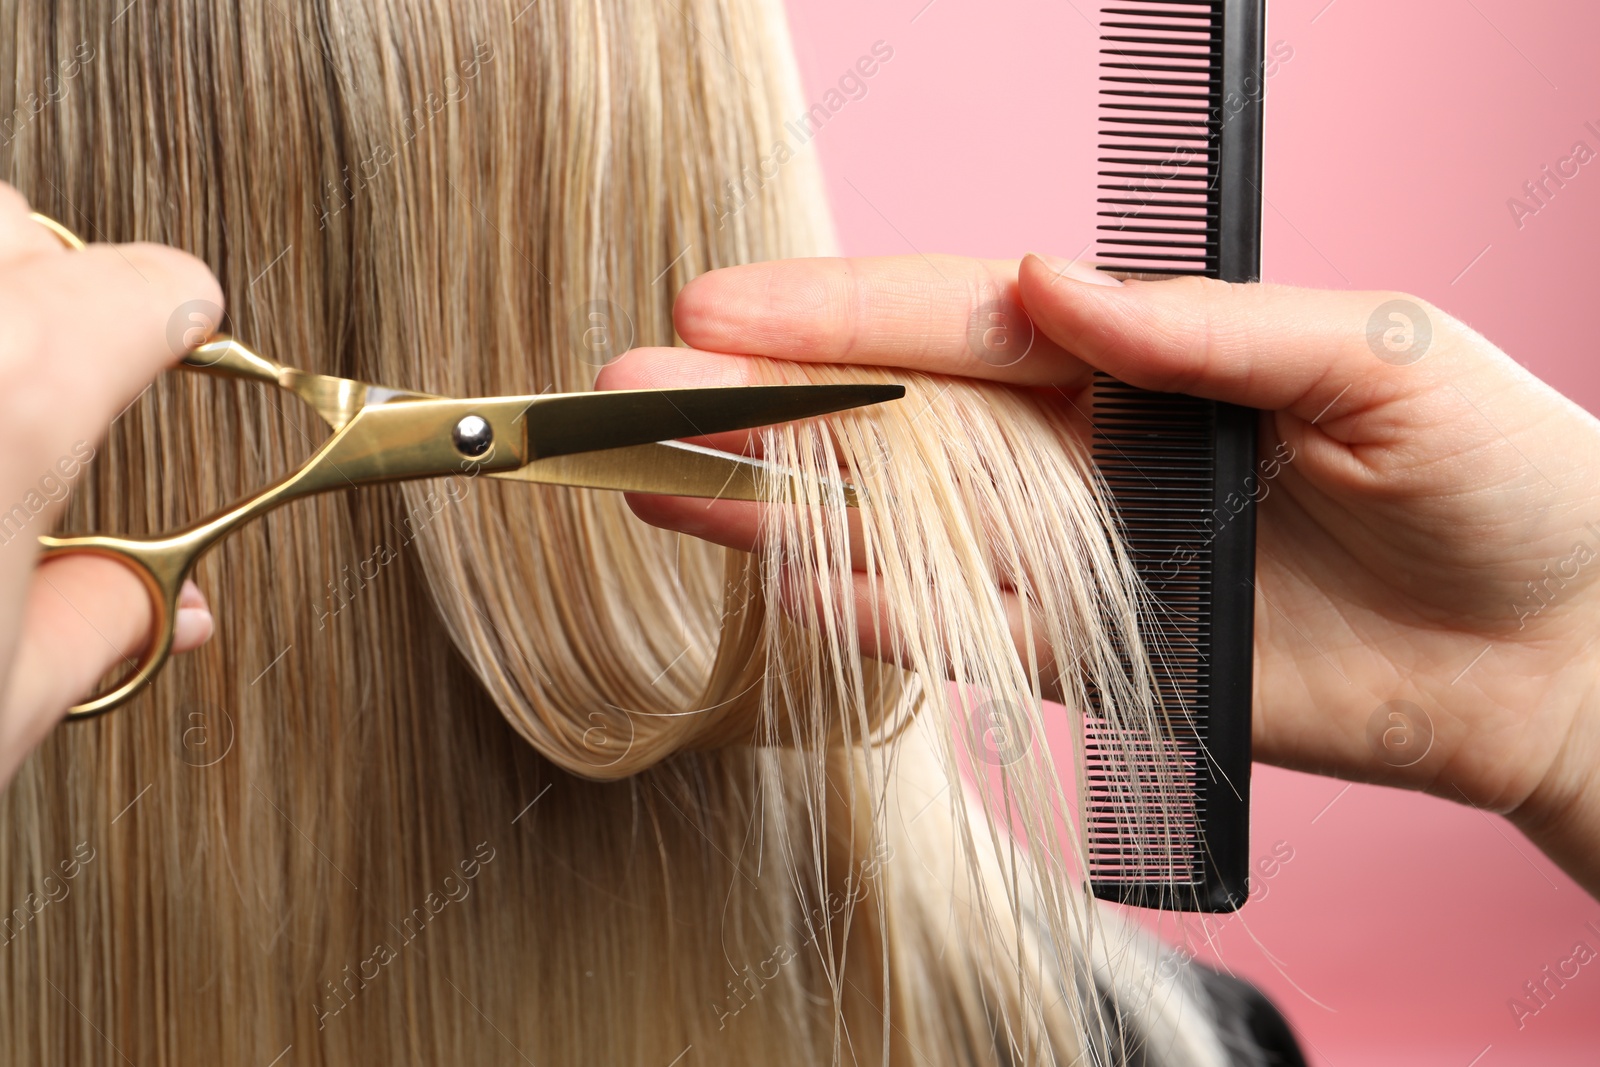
<point x="1263" y="346"/>
<point x="84" y="616"/>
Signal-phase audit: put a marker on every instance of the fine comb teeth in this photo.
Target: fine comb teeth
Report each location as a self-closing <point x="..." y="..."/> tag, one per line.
<point x="1180" y="171"/>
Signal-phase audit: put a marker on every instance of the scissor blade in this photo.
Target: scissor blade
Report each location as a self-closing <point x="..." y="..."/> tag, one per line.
<point x="675" y="469"/>
<point x="563" y="424"/>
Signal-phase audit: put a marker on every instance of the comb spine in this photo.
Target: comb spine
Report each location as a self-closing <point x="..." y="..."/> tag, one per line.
<point x="1244" y="27"/>
<point x="1233" y="550"/>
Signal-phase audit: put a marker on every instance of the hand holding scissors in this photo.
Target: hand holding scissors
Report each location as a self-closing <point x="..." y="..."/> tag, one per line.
<point x="81" y="334"/>
<point x="621" y="440"/>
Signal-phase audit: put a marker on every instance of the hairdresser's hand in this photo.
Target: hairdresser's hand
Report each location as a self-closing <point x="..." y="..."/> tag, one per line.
<point x="81" y="334"/>
<point x="1434" y="539"/>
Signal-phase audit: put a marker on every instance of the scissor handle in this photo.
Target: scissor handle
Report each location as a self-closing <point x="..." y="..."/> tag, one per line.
<point x="162" y="566"/>
<point x="381" y="443"/>
<point x="62" y="234"/>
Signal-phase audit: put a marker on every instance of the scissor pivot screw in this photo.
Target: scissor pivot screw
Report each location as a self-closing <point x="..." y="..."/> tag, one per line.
<point x="473" y="435"/>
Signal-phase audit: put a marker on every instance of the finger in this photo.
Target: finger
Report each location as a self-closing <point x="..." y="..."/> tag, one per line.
<point x="87" y="331"/>
<point x="195" y="624"/>
<point x="881" y="637"/>
<point x="83" y="617"/>
<point x="1263" y="346"/>
<point x="122" y="314"/>
<point x="944" y="315"/>
<point x="739" y="524"/>
<point x="730" y="523"/>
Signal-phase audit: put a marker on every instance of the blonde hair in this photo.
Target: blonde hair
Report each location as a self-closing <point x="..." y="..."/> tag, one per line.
<point x="485" y="773"/>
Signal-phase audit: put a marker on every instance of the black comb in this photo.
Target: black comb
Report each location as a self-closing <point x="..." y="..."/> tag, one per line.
<point x="1180" y="193"/>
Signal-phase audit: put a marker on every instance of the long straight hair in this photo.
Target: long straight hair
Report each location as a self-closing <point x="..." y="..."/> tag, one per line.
<point x="490" y="773"/>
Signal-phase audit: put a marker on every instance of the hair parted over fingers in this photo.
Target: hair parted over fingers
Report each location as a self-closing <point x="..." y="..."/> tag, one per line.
<point x="483" y="768"/>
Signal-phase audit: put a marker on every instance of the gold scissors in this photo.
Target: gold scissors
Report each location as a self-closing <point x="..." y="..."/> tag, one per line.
<point x="621" y="439"/>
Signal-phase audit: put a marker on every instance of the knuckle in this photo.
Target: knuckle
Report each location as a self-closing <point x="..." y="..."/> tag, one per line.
<point x="1417" y="304"/>
<point x="1191" y="332"/>
<point x="1399" y="329"/>
<point x="844" y="300"/>
<point x="1436" y="316"/>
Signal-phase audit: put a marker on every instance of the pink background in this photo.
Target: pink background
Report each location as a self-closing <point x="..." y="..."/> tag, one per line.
<point x="1396" y="134"/>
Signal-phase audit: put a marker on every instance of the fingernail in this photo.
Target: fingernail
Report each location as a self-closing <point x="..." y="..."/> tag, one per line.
<point x="1077" y="270"/>
<point x="194" y="624"/>
<point x="190" y="596"/>
<point x="194" y="628"/>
